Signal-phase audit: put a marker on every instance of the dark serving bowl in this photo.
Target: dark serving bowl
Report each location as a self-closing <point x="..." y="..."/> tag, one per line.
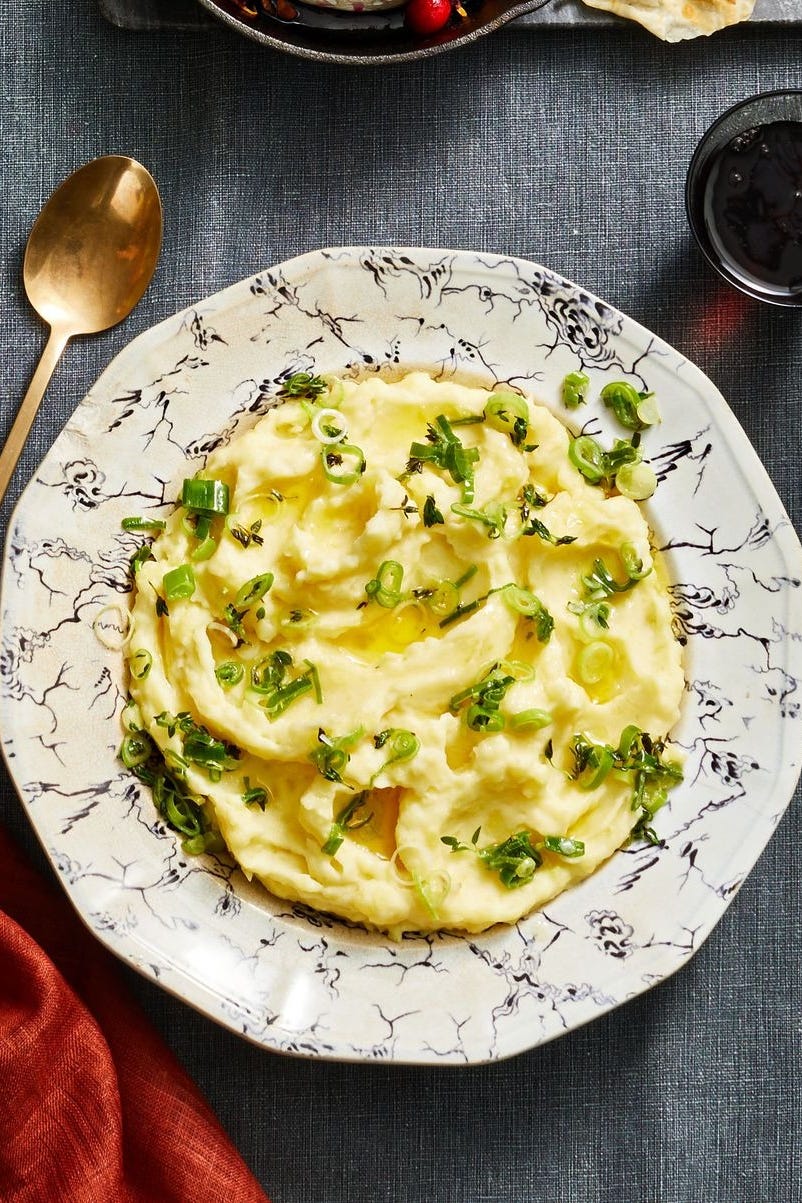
<point x="347" y="37"/>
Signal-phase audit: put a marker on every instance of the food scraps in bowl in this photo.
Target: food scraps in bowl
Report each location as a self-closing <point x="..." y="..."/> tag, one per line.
<point x="668" y="20"/>
<point x="405" y="648"/>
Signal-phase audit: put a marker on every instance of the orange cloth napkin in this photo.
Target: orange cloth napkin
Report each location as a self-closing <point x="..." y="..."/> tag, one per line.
<point x="93" y="1107"/>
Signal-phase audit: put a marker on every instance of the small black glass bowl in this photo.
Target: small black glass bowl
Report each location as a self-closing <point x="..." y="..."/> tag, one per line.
<point x="742" y="118"/>
<point x="332" y="36"/>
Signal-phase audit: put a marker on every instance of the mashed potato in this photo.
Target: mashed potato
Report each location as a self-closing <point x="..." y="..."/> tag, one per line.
<point x="413" y="668"/>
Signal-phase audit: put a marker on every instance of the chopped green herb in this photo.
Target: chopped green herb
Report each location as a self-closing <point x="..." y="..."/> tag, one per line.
<point x="198" y="745"/>
<point x="331" y="756"/>
<point x="180" y="809"/>
<point x="246" y="537"/>
<point x="485" y="697"/>
<point x="255" y="795"/>
<point x="457" y="846"/>
<point x="592" y="762"/>
<point x="408" y="508"/>
<point x="141" y="556"/>
<point x="269" y="679"/>
<point x="600" y="582"/>
<point x="431" y="514"/>
<point x="233" y="620"/>
<point x="444" y="450"/>
<point x="515" y="860"/>
<point x="346" y="821"/>
<point x="563" y="845"/>
<point x="535" y="527"/>
<point x="302" y="386"/>
<point x="639" y="756"/>
<point x="598" y="466"/>
<point x="530" y="498"/>
<point x="493" y="516"/>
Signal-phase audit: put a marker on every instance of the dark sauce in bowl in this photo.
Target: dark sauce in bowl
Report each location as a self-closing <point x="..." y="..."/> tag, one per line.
<point x="743" y="196"/>
<point x="753" y="206"/>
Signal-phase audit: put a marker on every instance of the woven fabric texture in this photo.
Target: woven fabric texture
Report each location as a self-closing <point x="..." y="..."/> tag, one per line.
<point x="94" y="1107"/>
<point x="570" y="148"/>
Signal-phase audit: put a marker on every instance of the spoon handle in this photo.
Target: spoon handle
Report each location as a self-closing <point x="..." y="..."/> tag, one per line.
<point x="27" y="411"/>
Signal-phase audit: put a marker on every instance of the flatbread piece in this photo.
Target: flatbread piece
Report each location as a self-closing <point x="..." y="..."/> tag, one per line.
<point x="675" y="20"/>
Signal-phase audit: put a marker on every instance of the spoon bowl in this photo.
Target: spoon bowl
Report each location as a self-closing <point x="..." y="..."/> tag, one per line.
<point x="90" y="257"/>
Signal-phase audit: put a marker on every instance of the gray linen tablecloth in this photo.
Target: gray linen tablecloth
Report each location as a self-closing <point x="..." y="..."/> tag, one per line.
<point x="569" y="147"/>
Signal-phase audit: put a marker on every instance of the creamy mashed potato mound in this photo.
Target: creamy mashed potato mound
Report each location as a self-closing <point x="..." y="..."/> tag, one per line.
<point x="317" y="794"/>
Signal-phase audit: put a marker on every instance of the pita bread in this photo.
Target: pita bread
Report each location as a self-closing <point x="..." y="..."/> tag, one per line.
<point x="675" y="20"/>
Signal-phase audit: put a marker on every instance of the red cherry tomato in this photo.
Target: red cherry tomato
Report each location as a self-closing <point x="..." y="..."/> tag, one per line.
<point x="423" y="17"/>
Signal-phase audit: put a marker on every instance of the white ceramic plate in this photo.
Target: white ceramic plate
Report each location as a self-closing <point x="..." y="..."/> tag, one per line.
<point x="284" y="976"/>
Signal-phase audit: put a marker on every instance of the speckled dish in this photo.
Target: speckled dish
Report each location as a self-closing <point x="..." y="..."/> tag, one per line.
<point x="376" y="34"/>
<point x="284" y="976"/>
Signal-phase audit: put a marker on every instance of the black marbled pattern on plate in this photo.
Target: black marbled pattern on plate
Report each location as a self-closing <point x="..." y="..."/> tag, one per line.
<point x="287" y="977"/>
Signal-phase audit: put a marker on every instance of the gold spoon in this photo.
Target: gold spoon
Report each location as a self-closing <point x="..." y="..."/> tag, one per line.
<point x="90" y="256"/>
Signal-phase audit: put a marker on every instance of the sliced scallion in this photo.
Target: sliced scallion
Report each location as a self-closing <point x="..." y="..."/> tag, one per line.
<point x="138" y="524"/>
<point x="493" y="516"/>
<point x="229" y="673"/>
<point x="530" y="718"/>
<point x="588" y="457"/>
<point x="331" y="755"/>
<point x="636" y="481"/>
<point x="206" y="497"/>
<point x="140" y="662"/>
<point x="433" y="890"/>
<point x="575" y="389"/>
<point x="269" y="678"/>
<point x="329" y="426"/>
<point x="141" y="556"/>
<point x="523" y="601"/>
<point x="253" y="590"/>
<point x="401" y="745"/>
<point x="136" y="749"/>
<point x="299" y="619"/>
<point x="255" y="795"/>
<point x="302" y="385"/>
<point x="515" y="859"/>
<point x="594" y="662"/>
<point x="342" y="466"/>
<point x="204" y="550"/>
<point x="509" y="413"/>
<point x="385" y="588"/>
<point x="632" y="408"/>
<point x="442" y="598"/>
<point x="563" y="845"/>
<point x="346" y="821"/>
<point x="179" y="583"/>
